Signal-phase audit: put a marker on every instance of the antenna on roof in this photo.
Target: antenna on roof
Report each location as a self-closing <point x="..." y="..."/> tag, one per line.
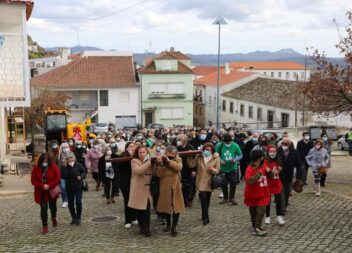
<point x="77" y="29"/>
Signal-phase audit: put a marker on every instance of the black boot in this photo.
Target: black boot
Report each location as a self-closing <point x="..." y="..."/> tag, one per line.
<point x="168" y="222"/>
<point x="175" y="218"/>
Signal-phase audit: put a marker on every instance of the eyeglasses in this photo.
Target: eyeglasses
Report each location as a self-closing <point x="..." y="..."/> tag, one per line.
<point x="284" y="144"/>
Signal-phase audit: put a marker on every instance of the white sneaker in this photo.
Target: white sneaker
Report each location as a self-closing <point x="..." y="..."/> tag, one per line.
<point x="135" y="222"/>
<point x="64" y="204"/>
<point x="221" y="195"/>
<point x="267" y="220"/>
<point x="128" y="225"/>
<point x="317" y="194"/>
<point x="280" y="220"/>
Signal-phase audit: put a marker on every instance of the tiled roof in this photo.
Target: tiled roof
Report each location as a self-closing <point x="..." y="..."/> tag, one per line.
<point x="212" y="78"/>
<point x="150" y="69"/>
<point x="268" y="65"/>
<point x="29" y="5"/>
<point x="272" y="92"/>
<point x="204" y="70"/>
<point x="90" y="72"/>
<point x="171" y="55"/>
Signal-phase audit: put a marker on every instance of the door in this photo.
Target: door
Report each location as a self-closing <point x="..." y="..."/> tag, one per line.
<point x="148" y="118"/>
<point x="270" y="120"/>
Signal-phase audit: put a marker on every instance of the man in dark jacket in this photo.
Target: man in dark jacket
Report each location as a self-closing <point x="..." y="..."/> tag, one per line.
<point x="303" y="147"/>
<point x="290" y="160"/>
<point x="187" y="176"/>
<point x="250" y="144"/>
<point x="200" y="139"/>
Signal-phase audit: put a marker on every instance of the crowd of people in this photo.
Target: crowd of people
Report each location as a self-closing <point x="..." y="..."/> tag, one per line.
<point x="163" y="169"/>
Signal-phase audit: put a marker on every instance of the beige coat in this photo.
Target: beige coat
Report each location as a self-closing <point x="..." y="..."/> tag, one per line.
<point x="140" y="184"/>
<point x="170" y="199"/>
<point x="204" y="176"/>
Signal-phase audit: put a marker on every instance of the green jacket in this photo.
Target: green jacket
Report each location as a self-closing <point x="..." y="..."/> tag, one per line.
<point x="227" y="155"/>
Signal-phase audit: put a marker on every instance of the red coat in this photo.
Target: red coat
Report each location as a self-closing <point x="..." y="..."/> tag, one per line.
<point x="53" y="179"/>
<point x="275" y="185"/>
<point x="256" y="194"/>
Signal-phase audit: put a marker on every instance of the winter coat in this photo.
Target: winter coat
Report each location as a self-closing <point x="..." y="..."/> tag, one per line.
<point x="186" y="172"/>
<point x="52" y="179"/>
<point x="317" y="158"/>
<point x="204" y="176"/>
<point x="70" y="174"/>
<point x="303" y="149"/>
<point x="92" y="159"/>
<point x="170" y="199"/>
<point x="124" y="173"/>
<point x="140" y="184"/>
<point x="289" y="162"/>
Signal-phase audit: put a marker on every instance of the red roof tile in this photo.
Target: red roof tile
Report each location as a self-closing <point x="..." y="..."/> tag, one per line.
<point x="268" y="65"/>
<point x="169" y="55"/>
<point x="29" y="5"/>
<point x="212" y="78"/>
<point x="150" y="69"/>
<point x="90" y="72"/>
<point x="204" y="70"/>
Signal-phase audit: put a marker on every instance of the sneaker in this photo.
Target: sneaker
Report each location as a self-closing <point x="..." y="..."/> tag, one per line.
<point x="224" y="201"/>
<point x="259" y="232"/>
<point x="135" y="222"/>
<point x="280" y="220"/>
<point x="45" y="230"/>
<point x="64" y="204"/>
<point x="54" y="222"/>
<point x="128" y="225"/>
<point x="317" y="194"/>
<point x="221" y="195"/>
<point x="267" y="220"/>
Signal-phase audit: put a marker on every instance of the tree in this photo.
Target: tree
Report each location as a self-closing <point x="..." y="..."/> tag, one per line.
<point x="34" y="115"/>
<point x="329" y="91"/>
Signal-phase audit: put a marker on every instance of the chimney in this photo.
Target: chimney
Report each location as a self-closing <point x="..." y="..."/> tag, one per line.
<point x="172" y="49"/>
<point x="227" y="68"/>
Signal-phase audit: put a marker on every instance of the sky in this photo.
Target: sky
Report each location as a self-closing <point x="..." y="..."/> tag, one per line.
<point x="187" y="25"/>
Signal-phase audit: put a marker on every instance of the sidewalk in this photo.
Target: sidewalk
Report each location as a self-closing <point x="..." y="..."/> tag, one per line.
<point x="14" y="185"/>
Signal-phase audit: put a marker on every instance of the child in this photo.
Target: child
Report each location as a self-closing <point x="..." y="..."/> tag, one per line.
<point x="275" y="186"/>
<point x="256" y="193"/>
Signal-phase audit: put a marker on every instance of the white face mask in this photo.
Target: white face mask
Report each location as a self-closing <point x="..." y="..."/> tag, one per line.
<point x="306" y="138"/>
<point x="96" y="146"/>
<point x="179" y="143"/>
<point x="66" y="150"/>
<point x="71" y="164"/>
<point x="285" y="148"/>
<point x="108" y="152"/>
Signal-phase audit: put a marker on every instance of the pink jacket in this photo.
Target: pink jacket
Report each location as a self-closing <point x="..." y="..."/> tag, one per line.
<point x="92" y="159"/>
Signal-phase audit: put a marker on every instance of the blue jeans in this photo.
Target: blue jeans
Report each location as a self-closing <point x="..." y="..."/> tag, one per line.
<point x="63" y="190"/>
<point x="75" y="197"/>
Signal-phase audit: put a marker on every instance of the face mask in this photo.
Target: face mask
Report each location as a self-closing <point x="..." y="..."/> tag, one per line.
<point x="168" y="136"/>
<point x="214" y="142"/>
<point x="66" y="150"/>
<point x="170" y="157"/>
<point x="108" y="152"/>
<point x="255" y="140"/>
<point x="112" y="145"/>
<point x="139" y="137"/>
<point x="44" y="164"/>
<point x="179" y="143"/>
<point x="272" y="156"/>
<point x="79" y="146"/>
<point x="146" y="158"/>
<point x="285" y="148"/>
<point x="54" y="146"/>
<point x="118" y="139"/>
<point x="71" y="164"/>
<point x="70" y="143"/>
<point x="96" y="146"/>
<point x="158" y="149"/>
<point x="228" y="145"/>
<point x="325" y="138"/>
<point x="206" y="153"/>
<point x="202" y="137"/>
<point x="109" y="136"/>
<point x="317" y="146"/>
<point x="306" y="137"/>
<point x="84" y="147"/>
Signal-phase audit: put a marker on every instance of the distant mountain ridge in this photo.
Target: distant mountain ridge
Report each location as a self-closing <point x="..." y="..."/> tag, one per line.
<point x="287" y="54"/>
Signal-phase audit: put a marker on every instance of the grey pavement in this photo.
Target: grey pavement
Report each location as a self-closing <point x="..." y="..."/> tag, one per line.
<point x="312" y="225"/>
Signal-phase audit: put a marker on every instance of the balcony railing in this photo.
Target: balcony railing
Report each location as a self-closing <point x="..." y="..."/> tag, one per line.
<point x="167" y="96"/>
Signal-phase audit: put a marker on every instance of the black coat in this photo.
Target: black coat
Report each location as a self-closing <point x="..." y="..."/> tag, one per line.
<point x="70" y="174"/>
<point x="289" y="163"/>
<point x="303" y="149"/>
<point x="247" y="151"/>
<point x="124" y="173"/>
<point x="186" y="172"/>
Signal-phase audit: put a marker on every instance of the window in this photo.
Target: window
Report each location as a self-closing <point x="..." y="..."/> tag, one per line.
<point x="279" y="74"/>
<point x="242" y="110"/>
<point x="171" y="88"/>
<point x="157" y="88"/>
<point x="302" y="76"/>
<point x="285" y="120"/>
<point x="104" y="97"/>
<point x="259" y="114"/>
<point x="171" y="113"/>
<point x="264" y="73"/>
<point x="287" y="75"/>
<point x="176" y="88"/>
<point x="295" y="75"/>
<point x="210" y="100"/>
<point x="200" y="95"/>
<point x="166" y="65"/>
<point x="272" y="74"/>
<point x="84" y="95"/>
<point x="124" y="97"/>
<point x="231" y="107"/>
<point x="224" y="105"/>
<point x="250" y="112"/>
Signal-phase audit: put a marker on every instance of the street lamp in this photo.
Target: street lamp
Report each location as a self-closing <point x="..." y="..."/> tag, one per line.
<point x="219" y="21"/>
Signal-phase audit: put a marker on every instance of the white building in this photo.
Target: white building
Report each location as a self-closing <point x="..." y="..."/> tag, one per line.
<point x="292" y="71"/>
<point x="14" y="71"/>
<point x="102" y="85"/>
<point x="263" y="103"/>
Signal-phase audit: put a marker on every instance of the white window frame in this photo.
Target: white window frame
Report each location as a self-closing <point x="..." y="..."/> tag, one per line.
<point x="167" y="88"/>
<point x="173" y="113"/>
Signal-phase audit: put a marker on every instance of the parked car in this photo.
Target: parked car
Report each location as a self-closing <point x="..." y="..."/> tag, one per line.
<point x="156" y="126"/>
<point x="100" y="128"/>
<point x="316" y="131"/>
<point x="343" y="144"/>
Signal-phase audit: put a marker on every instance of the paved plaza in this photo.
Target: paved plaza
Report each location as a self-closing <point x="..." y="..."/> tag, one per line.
<point x="312" y="225"/>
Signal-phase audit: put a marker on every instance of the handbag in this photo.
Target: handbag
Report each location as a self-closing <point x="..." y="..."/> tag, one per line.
<point x="218" y="181"/>
<point x="84" y="184"/>
<point x="55" y="192"/>
<point x="322" y="170"/>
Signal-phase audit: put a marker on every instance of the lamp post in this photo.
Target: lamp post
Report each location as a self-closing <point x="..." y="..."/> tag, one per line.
<point x="219" y="21"/>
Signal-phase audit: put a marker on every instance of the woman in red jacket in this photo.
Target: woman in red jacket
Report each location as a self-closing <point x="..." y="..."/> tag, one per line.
<point x="45" y="176"/>
<point x="256" y="193"/>
<point x="272" y="161"/>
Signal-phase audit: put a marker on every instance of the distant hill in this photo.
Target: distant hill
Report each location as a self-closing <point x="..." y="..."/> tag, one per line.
<point x="76" y="49"/>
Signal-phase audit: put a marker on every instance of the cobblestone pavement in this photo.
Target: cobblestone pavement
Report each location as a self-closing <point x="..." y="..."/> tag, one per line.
<point x="312" y="225"/>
